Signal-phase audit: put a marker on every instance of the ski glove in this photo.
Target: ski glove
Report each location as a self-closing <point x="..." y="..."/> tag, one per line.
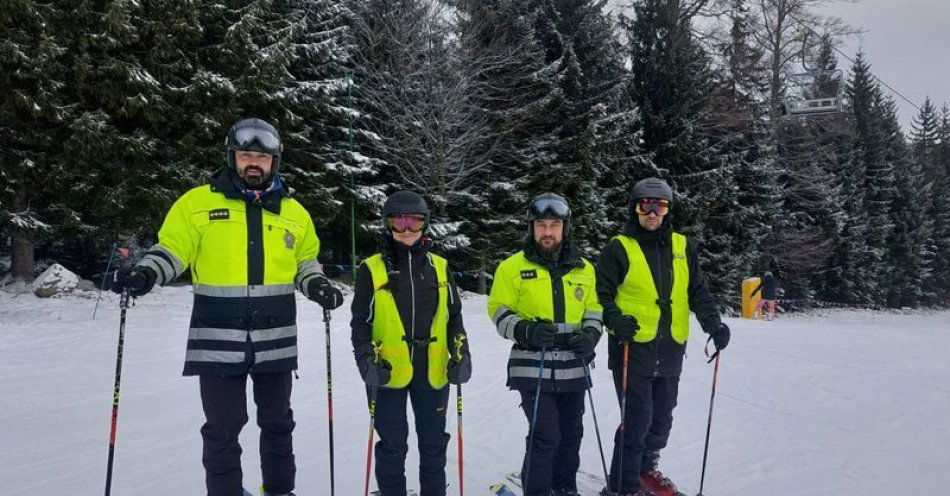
<point x="535" y="334"/>
<point x="374" y="372"/>
<point x="460" y="371"/>
<point x="625" y="327"/>
<point x="321" y="291"/>
<point x="138" y="280"/>
<point x="584" y="341"/>
<point x="720" y="336"/>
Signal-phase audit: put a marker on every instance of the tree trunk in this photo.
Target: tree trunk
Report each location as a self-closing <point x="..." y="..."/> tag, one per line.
<point x="22" y="244"/>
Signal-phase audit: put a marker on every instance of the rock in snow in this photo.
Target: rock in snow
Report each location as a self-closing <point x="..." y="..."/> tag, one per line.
<point x="55" y="279"/>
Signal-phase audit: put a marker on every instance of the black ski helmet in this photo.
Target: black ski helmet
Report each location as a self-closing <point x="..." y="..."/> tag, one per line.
<point x="548" y="205"/>
<point x="404" y="202"/>
<point x="254" y="135"/>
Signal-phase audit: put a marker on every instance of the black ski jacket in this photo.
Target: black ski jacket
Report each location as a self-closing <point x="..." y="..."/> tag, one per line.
<point x="767" y="286"/>
<point x="662" y="356"/>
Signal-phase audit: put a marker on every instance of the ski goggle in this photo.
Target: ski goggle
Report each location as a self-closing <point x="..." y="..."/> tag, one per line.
<point x="550" y="207"/>
<point x="658" y="206"/>
<point x="401" y="223"/>
<point x="256" y="139"/>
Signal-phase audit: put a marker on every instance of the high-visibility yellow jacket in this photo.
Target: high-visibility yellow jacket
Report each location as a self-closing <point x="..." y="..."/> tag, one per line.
<point x="526" y="288"/>
<point x="246" y="258"/>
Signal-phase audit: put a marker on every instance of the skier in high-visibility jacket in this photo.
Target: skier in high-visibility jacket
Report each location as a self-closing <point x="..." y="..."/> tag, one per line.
<point x="409" y="343"/>
<point x="249" y="245"/>
<point x="543" y="299"/>
<point x="648" y="281"/>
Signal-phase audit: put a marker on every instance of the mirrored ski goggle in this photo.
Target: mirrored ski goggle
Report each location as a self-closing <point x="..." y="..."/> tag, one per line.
<point x="401" y="223"/>
<point x="550" y="207"/>
<point x="256" y="139"/>
<point x="658" y="206"/>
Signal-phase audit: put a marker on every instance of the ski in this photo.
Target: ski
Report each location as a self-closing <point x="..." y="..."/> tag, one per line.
<point x="515" y="478"/>
<point x="502" y="490"/>
<point x="409" y="492"/>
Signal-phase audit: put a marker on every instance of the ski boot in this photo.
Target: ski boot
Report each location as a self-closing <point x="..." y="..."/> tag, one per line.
<point x="658" y="484"/>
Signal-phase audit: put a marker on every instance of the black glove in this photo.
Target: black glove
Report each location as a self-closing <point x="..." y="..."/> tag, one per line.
<point x="720" y="336"/>
<point x="321" y="291"/>
<point x="535" y="334"/>
<point x="583" y="341"/>
<point x="460" y="371"/>
<point x="138" y="280"/>
<point x="625" y="327"/>
<point x="374" y="372"/>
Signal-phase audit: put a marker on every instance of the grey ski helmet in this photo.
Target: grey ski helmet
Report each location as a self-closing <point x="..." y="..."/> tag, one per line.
<point x="652" y="187"/>
<point x="548" y="205"/>
<point x="254" y="135"/>
<point x="405" y="202"/>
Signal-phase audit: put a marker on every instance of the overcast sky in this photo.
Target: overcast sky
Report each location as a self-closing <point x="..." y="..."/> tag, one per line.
<point x="907" y="43"/>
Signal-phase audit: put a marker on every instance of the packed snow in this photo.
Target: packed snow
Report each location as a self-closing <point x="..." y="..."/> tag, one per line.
<point x="842" y="403"/>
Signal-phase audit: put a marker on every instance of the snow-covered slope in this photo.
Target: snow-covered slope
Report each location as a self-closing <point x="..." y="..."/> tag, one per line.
<point x="846" y="403"/>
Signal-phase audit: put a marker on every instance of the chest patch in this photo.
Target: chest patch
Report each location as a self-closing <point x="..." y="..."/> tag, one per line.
<point x="579" y="293"/>
<point x="289" y="240"/>
<point x="219" y="214"/>
<point x="529" y="274"/>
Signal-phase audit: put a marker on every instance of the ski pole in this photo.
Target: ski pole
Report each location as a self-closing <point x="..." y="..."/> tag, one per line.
<point x="326" y="320"/>
<point x="590" y="396"/>
<point x="374" y="389"/>
<point x="458" y="409"/>
<point x="712" y="398"/>
<point x="124" y="306"/>
<point x="105" y="274"/>
<point x="623" y="412"/>
<point x="534" y="422"/>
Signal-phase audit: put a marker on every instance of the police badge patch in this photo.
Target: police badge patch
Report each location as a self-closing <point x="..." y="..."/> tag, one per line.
<point x="579" y="293"/>
<point x="289" y="240"/>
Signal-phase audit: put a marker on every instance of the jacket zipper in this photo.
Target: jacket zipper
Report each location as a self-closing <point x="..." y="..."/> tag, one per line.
<point x="412" y="290"/>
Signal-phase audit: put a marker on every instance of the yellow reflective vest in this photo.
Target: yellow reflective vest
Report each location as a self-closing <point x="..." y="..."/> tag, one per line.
<point x="637" y="295"/>
<point x="390" y="334"/>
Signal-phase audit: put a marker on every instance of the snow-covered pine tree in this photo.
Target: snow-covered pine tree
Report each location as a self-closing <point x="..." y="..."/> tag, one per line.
<point x="740" y="241"/>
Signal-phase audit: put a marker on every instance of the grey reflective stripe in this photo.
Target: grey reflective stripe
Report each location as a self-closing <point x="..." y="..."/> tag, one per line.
<point x="242" y="291"/>
<point x="166" y="271"/>
<point x="162" y="269"/>
<point x="567" y="374"/>
<point x="278" y="354"/>
<point x="212" y="334"/>
<point x="550" y="356"/>
<point x="259" y="335"/>
<point x="307" y="270"/>
<point x="567" y="328"/>
<point x="214" y="356"/>
<point x="593" y="315"/>
<point x="506" y="328"/>
<point x="531" y="372"/>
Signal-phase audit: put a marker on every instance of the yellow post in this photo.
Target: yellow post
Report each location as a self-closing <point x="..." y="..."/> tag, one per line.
<point x="748" y="301"/>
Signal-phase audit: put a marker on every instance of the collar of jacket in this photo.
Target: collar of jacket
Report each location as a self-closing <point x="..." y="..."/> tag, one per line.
<point x="223" y="182"/>
<point x="569" y="257"/>
<point x="662" y="235"/>
<point x="394" y="251"/>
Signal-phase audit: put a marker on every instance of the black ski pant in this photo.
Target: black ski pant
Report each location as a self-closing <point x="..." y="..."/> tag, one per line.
<point x="428" y="408"/>
<point x="555" y="450"/>
<point x="649" y="419"/>
<point x="224" y="399"/>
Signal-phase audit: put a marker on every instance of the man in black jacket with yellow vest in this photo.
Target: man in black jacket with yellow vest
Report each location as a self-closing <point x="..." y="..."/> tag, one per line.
<point x="249" y="245"/>
<point x="409" y="343"/>
<point x="648" y="281"/>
